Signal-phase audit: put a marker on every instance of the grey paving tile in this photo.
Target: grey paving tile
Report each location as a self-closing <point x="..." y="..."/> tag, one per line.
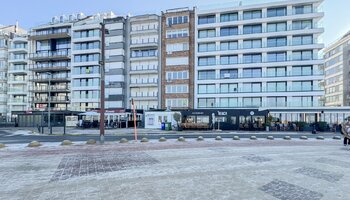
<point x="320" y="174"/>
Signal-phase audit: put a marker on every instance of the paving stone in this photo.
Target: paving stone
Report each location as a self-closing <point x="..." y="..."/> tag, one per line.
<point x="320" y="174"/>
<point x="284" y="190"/>
<point x="257" y="159"/>
<point x="334" y="162"/>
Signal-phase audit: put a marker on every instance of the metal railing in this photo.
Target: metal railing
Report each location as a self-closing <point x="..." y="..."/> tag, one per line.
<point x="51" y="54"/>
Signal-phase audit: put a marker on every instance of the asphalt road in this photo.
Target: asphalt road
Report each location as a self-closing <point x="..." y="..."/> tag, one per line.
<point x="8" y="138"/>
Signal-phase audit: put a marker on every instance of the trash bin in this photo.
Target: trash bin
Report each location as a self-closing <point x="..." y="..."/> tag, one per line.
<point x="168" y="126"/>
<point x="163" y="126"/>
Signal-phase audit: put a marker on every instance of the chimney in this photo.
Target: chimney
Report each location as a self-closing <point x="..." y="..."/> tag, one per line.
<point x="16" y="27"/>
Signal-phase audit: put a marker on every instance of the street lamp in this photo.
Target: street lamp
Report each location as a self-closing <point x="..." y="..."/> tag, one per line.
<point x="49" y="104"/>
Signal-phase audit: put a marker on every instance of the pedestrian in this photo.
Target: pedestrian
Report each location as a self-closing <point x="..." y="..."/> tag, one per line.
<point x="344" y="130"/>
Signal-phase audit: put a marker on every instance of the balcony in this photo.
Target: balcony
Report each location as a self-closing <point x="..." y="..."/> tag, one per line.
<point x="54" y="99"/>
<point x="17" y="80"/>
<point x="142" y="31"/>
<point x="145" y="57"/>
<point x="21" y="70"/>
<point x="50" y="67"/>
<point x="54" y="78"/>
<point x="144" y="96"/>
<point x="13" y="90"/>
<point x="144" y="70"/>
<point x="18" y="59"/>
<point x="144" y="43"/>
<point x="144" y="83"/>
<point x="63" y="54"/>
<point x="53" y="88"/>
<point x="17" y="101"/>
<point x="49" y="34"/>
<point x="18" y="49"/>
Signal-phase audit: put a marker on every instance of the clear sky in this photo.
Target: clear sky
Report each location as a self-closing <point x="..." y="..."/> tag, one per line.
<point x="30" y="13"/>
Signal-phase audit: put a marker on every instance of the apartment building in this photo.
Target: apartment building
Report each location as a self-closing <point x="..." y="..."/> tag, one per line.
<point x="144" y="62"/>
<point x="18" y="99"/>
<point x="259" y="55"/>
<point x="337" y="72"/>
<point x="177" y="89"/>
<point x="50" y="57"/>
<point x="86" y="65"/>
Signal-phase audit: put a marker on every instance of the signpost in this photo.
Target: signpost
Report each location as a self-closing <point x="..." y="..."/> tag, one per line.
<point x="135" y="128"/>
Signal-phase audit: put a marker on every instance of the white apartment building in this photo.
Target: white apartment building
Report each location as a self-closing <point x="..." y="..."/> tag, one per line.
<point x="18" y="72"/>
<point x="337" y="72"/>
<point x="262" y="55"/>
<point x="144" y="61"/>
<point x="86" y="66"/>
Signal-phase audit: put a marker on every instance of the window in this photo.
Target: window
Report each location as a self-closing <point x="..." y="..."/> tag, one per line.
<point x="231" y="45"/>
<point x="251" y="87"/>
<point x="277" y="42"/>
<point x="229" y="60"/>
<point x="180" y="33"/>
<point x="176" y="103"/>
<point x="206" y="102"/>
<point x="302" y="40"/>
<point x="228" y="73"/>
<point x="206" y="19"/>
<point x="302" y="86"/>
<point x="301" y="25"/>
<point x="228" y="31"/>
<point x="252" y="58"/>
<point x="206" y="61"/>
<point x="86" y="70"/>
<point x="206" y="75"/>
<point x="177" y="47"/>
<point x="252" y="102"/>
<point x="276" y="12"/>
<point x="302" y="101"/>
<point x="87" y="58"/>
<point x="87" y="45"/>
<point x="177" y="20"/>
<point x="176" y="61"/>
<point x="206" y="89"/>
<point x="277" y="101"/>
<point x="229" y="88"/>
<point x="276" y="71"/>
<point x="206" y="47"/>
<point x="229" y="103"/>
<point x="178" y="75"/>
<point x="252" y="73"/>
<point x="254" y="14"/>
<point x="144" y="53"/>
<point x="277" y="57"/>
<point x="251" y="29"/>
<point x="302" y="55"/>
<point x="207" y="33"/>
<point x="228" y="17"/>
<point x="175" y="89"/>
<point x="277" y="27"/>
<point x="302" y="70"/>
<point x="87" y="33"/>
<point x="303" y="9"/>
<point x="251" y="44"/>
<point x="276" y="86"/>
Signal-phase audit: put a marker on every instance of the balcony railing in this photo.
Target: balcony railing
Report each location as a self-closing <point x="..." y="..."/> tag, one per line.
<point x="46" y="78"/>
<point x="53" y="99"/>
<point x="143" y="68"/>
<point x="241" y="61"/>
<point x="249" y="77"/>
<point x="51" y="32"/>
<point x="144" y="82"/>
<point x="18" y="100"/>
<point x="51" y="66"/>
<point x="63" y="53"/>
<point x="148" y="41"/>
<point x="53" y="88"/>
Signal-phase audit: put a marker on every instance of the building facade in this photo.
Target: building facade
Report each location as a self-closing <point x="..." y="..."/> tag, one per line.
<point x="337" y="72"/>
<point x="177" y="89"/>
<point x="262" y="55"/>
<point x="144" y="62"/>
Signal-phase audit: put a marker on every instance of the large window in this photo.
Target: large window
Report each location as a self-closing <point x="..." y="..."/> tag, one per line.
<point x="176" y="103"/>
<point x="303" y="9"/>
<point x="277" y="101"/>
<point x="86" y="70"/>
<point x="207" y="33"/>
<point x="206" y="75"/>
<point x="206" y="19"/>
<point x="180" y="33"/>
<point x="177" y="47"/>
<point x="228" y="102"/>
<point x="301" y="25"/>
<point x="277" y="42"/>
<point x="175" y="89"/>
<point x="144" y="53"/>
<point x="302" y="55"/>
<point x="302" y="70"/>
<point x="86" y="45"/>
<point x="302" y="86"/>
<point x="277" y="57"/>
<point x="276" y="71"/>
<point x="302" y="40"/>
<point x="206" y="102"/>
<point x="207" y="61"/>
<point x="206" y="89"/>
<point x="227" y="17"/>
<point x="228" y="88"/>
<point x="227" y="31"/>
<point x="206" y="47"/>
<point x="276" y="12"/>
<point x="277" y="27"/>
<point x="251" y="29"/>
<point x="229" y="60"/>
<point x="177" y="20"/>
<point x="87" y="58"/>
<point x="254" y="14"/>
<point x="251" y="102"/>
<point x="252" y="58"/>
<point x="252" y="73"/>
<point x="302" y="101"/>
<point x="177" y="75"/>
<point x="87" y="33"/>
<point x="251" y="87"/>
<point x="228" y="73"/>
<point x="251" y="44"/>
<point x="276" y="86"/>
<point x="229" y="45"/>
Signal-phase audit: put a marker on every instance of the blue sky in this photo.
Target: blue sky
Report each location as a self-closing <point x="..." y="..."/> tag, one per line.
<point x="33" y="12"/>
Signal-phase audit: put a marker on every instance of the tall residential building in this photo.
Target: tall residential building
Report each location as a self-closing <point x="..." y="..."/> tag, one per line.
<point x="50" y="56"/>
<point x="86" y="65"/>
<point x="177" y="89"/>
<point x="337" y="72"/>
<point x="144" y="61"/>
<point x="260" y="55"/>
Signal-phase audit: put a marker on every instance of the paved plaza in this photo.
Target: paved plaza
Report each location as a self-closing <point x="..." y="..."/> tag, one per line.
<point x="228" y="169"/>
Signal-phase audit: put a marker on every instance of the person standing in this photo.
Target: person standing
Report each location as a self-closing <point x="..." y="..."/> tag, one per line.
<point x="344" y="131"/>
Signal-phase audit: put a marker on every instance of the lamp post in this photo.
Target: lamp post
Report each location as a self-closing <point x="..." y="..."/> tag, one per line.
<point x="49" y="105"/>
<point x="102" y="84"/>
